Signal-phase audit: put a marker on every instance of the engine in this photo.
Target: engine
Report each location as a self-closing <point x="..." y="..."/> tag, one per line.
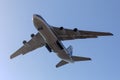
<point x="75" y="29"/>
<point x="32" y="35"/>
<point x="24" y="42"/>
<point x="62" y="30"/>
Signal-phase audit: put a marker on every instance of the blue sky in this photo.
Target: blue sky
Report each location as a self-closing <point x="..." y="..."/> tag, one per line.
<point x="98" y="15"/>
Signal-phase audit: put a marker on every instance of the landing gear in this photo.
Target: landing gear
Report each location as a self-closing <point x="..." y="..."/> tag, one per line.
<point x="48" y="47"/>
<point x="32" y="35"/>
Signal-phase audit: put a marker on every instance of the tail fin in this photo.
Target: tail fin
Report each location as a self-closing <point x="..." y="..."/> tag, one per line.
<point x="61" y="63"/>
<point x="70" y="50"/>
<point x="77" y="58"/>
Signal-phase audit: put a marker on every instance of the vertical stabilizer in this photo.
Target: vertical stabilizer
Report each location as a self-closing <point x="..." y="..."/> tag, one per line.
<point x="70" y="50"/>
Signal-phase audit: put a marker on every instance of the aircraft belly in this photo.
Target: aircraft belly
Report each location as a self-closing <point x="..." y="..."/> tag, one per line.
<point x="62" y="54"/>
<point x="51" y="39"/>
<point x="55" y="45"/>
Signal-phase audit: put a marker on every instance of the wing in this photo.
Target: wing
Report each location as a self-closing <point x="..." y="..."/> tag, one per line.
<point x="69" y="34"/>
<point x="36" y="42"/>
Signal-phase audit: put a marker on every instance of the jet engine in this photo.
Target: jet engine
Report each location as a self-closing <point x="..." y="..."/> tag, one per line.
<point x="32" y="35"/>
<point x="75" y="29"/>
<point x="62" y="30"/>
<point x="24" y="42"/>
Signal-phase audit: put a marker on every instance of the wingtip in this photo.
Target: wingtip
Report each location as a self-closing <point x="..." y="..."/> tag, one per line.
<point x="111" y="34"/>
<point x="11" y="57"/>
<point x="89" y="59"/>
<point x="56" y="66"/>
<point x="108" y="34"/>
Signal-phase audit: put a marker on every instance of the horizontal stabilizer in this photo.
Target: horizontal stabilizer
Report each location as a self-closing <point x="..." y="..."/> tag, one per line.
<point x="61" y="63"/>
<point x="77" y="58"/>
<point x="14" y="55"/>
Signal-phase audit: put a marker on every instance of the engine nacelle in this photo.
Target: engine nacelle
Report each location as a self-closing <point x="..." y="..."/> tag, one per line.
<point x="75" y="29"/>
<point x="32" y="35"/>
<point x="24" y="42"/>
<point x="61" y="28"/>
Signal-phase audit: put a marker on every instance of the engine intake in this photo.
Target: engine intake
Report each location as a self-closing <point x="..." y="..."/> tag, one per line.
<point x="32" y="35"/>
<point x="75" y="29"/>
<point x="61" y="28"/>
<point x="24" y="42"/>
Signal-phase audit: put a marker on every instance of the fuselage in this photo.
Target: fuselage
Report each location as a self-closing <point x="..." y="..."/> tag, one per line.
<point x="50" y="38"/>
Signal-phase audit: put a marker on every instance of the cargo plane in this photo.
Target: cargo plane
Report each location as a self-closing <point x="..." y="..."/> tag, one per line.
<point x="51" y="37"/>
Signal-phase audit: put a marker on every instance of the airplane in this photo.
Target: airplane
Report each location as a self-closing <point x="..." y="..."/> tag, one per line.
<point x="51" y="37"/>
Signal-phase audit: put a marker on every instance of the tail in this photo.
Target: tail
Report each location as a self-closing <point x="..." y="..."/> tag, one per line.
<point x="74" y="58"/>
<point x="70" y="50"/>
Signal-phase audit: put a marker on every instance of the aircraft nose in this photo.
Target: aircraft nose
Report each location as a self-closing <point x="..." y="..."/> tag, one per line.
<point x="34" y="15"/>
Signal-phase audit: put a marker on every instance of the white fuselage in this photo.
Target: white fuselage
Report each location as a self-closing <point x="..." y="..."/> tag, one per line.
<point x="50" y="38"/>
